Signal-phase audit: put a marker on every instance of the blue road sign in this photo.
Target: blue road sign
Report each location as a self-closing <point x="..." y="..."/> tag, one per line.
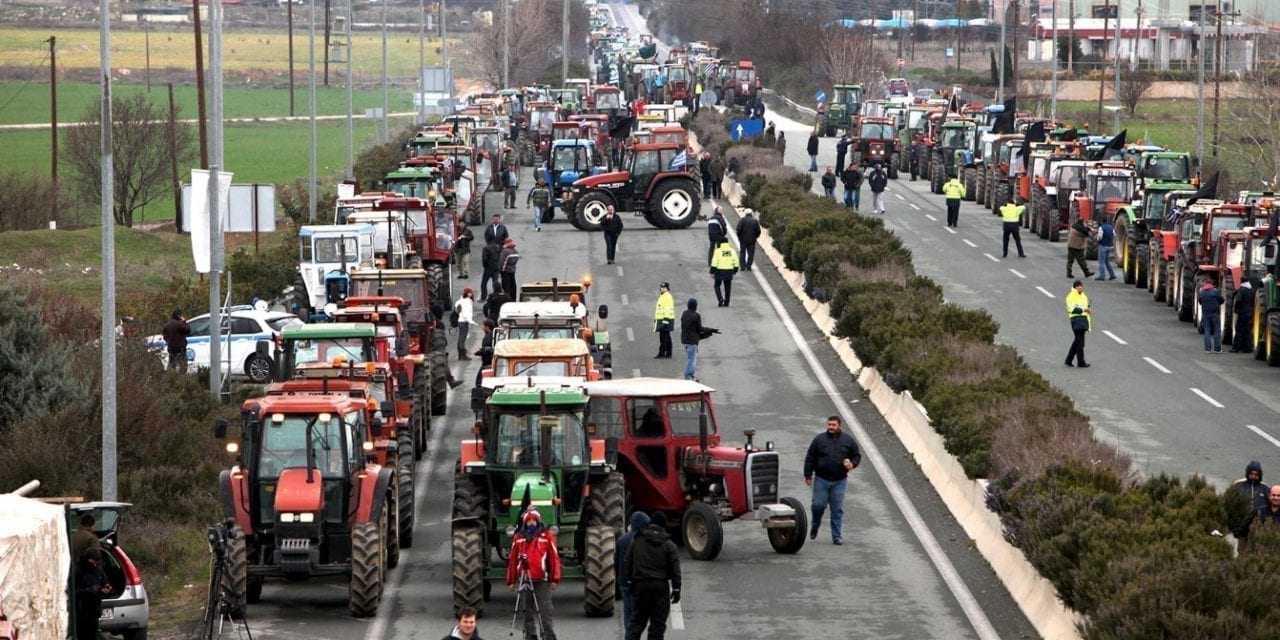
<point x="744" y="129"/>
<point x="820" y="97"/>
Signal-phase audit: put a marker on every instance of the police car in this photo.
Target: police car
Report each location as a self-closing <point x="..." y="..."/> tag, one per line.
<point x="243" y="326"/>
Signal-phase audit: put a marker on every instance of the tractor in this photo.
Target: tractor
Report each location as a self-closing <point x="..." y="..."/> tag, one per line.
<point x="1163" y="246"/>
<point x="670" y="453"/>
<point x="540" y="316"/>
<point x="569" y="160"/>
<point x="741" y="87"/>
<point x="1108" y="187"/>
<point x="1134" y="224"/>
<point x="326" y="255"/>
<point x="608" y="100"/>
<point x="669" y="198"/>
<point x="488" y="142"/>
<point x="1242" y="256"/>
<point x="561" y="357"/>
<point x="1065" y="177"/>
<point x="414" y="181"/>
<point x="955" y="134"/>
<point x="875" y="143"/>
<point x="306" y="499"/>
<point x="1003" y="165"/>
<point x="679" y="87"/>
<point x="533" y="448"/>
<point x="537" y="139"/>
<point x="1199" y="226"/>
<point x="846" y="100"/>
<point x="430" y="232"/>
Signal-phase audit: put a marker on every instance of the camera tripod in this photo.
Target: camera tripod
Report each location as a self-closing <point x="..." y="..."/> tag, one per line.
<point x="219" y="608"/>
<point x="524" y="589"/>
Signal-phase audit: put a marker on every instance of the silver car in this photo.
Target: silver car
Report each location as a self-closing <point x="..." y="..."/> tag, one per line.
<point x="126" y="609"/>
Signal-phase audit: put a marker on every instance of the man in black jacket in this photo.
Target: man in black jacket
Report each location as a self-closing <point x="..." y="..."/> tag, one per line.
<point x="490" y="261"/>
<point x="878" y="181"/>
<point x="842" y="150"/>
<point x="812" y="148"/>
<point x="1243" y="308"/>
<point x="691" y="333"/>
<point x="612" y="227"/>
<point x="652" y="565"/>
<point x="748" y="234"/>
<point x="831" y="456"/>
<point x="704" y="170"/>
<point x="175" y="334"/>
<point x="717" y="232"/>
<point x="496" y="231"/>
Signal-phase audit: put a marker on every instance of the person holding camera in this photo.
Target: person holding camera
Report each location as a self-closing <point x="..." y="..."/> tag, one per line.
<point x="533" y="572"/>
<point x="691" y="333"/>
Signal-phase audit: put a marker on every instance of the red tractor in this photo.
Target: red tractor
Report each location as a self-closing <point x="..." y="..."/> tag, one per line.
<point x="431" y="232"/>
<point x="1202" y="224"/>
<point x="307" y="499"/>
<point x="875" y="142"/>
<point x="741" y="86"/>
<point x="668" y="197"/>
<point x="670" y="453"/>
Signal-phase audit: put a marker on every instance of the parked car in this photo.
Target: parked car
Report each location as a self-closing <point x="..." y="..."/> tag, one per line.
<point x="243" y="327"/>
<point x="126" y="610"/>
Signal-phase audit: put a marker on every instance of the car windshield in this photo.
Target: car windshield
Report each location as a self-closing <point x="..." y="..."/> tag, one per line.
<point x="1158" y="168"/>
<point x="520" y="439"/>
<point x="876" y="131"/>
<point x="326" y="349"/>
<point x="278" y="324"/>
<point x="335" y="250"/>
<point x="571" y="157"/>
<point x="1111" y="189"/>
<point x="284" y="446"/>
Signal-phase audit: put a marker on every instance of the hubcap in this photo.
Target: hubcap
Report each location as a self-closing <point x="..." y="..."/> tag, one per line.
<point x="594" y="212"/>
<point x="697" y="533"/>
<point x="676" y="204"/>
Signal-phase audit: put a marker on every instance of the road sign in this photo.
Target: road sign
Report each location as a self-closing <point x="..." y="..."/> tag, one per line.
<point x="745" y="129"/>
<point x="820" y="97"/>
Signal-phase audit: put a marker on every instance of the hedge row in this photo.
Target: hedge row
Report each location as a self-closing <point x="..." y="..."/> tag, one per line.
<point x="1140" y="558"/>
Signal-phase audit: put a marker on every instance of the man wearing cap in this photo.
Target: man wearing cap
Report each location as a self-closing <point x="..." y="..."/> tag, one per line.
<point x="649" y="567"/>
<point x="664" y="319"/>
<point x="533" y="571"/>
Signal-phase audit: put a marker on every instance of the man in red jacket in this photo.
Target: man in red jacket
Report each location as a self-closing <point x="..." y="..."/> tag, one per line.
<point x="533" y="572"/>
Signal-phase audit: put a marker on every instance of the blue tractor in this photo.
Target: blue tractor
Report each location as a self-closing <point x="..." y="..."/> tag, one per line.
<point x="570" y="159"/>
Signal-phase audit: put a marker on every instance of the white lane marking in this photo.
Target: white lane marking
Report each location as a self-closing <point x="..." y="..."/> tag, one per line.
<point x="1045" y="292"/>
<point x="1263" y="434"/>
<point x="631" y="335"/>
<point x="1207" y="398"/>
<point x="635" y="373"/>
<point x="950" y="230"/>
<point x="1017" y="273"/>
<point x="1114" y="337"/>
<point x="625" y="299"/>
<point x="677" y="617"/>
<point x="619" y="271"/>
<point x="899" y="196"/>
<point x="972" y="610"/>
<point x="930" y="217"/>
<point x="913" y="206"/>
<point x="1159" y="367"/>
<point x="991" y="257"/>
<point x="969" y="242"/>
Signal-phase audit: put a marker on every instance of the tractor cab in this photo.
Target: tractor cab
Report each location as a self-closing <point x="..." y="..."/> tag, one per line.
<point x="1165" y="166"/>
<point x="679" y="87"/>
<point x="558" y="318"/>
<point x="424" y="144"/>
<point x="565" y="357"/>
<point x="326" y="255"/>
<point x="742" y="86"/>
<point x="392" y="230"/>
<point x="875" y="142"/>
<point x="461" y="125"/>
<point x="430" y="230"/>
<point x="566" y="130"/>
<point x="320" y="344"/>
<point x="567" y="99"/>
<point x="846" y="100"/>
<point x="671" y="134"/>
<point x="569" y="160"/>
<point x="582" y="86"/>
<point x="608" y="100"/>
<point x="416" y="181"/>
<point x="1108" y="187"/>
<point x="670" y="451"/>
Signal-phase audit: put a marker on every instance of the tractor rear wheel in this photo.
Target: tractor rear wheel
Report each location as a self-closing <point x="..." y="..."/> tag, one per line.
<point x="675" y="204"/>
<point x="469" y="499"/>
<point x="421" y="412"/>
<point x="253" y="592"/>
<point x="893" y="169"/>
<point x="597" y="568"/>
<point x="590" y="211"/>
<point x="439" y="383"/>
<point x="980" y="185"/>
<point x="790" y="540"/>
<point x="1272" y="344"/>
<point x="1141" y="265"/>
<point x="438" y="280"/>
<point x="368" y="570"/>
<point x="1128" y="267"/>
<point x="468" y="568"/>
<point x="935" y="176"/>
<point x="1186" y="295"/>
<point x="607" y="503"/>
<point x="235" y="575"/>
<point x="406" y="473"/>
<point x="701" y="530"/>
<point x="391" y="532"/>
<point x="1260" y="328"/>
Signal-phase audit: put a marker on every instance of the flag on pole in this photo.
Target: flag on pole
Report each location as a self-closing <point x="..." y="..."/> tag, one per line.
<point x="680" y="160"/>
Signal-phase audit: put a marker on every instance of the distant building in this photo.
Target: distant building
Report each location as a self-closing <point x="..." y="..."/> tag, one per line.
<point x="1252" y="12"/>
<point x="1163" y="44"/>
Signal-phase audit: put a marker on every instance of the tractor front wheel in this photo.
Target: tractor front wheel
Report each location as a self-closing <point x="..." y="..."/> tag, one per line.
<point x="235" y="574"/>
<point x="701" y="530"/>
<point x="367" y="568"/>
<point x="597" y="568"/>
<point x="439" y="382"/>
<point x="608" y="503"/>
<point x="790" y="540"/>
<point x="589" y="214"/>
<point x="675" y="204"/>
<point x="405" y="475"/>
<point x="468" y="568"/>
<point x="438" y="280"/>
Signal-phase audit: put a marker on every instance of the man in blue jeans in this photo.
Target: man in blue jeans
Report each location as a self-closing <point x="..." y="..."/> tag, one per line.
<point x="1211" y="302"/>
<point x="831" y="456"/>
<point x="691" y="333"/>
<point x="1106" y="245"/>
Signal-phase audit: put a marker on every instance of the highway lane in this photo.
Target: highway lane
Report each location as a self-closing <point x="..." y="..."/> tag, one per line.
<point x="880" y="584"/>
<point x="1152" y="391"/>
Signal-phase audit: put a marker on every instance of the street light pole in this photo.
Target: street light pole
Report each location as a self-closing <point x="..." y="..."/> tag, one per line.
<point x="1200" y="92"/>
<point x="351" y="128"/>
<point x="385" y="101"/>
<point x="506" y="44"/>
<point x="1053" y="57"/>
<point x="564" y="43"/>
<point x="1004" y="17"/>
<point x="1102" y="77"/>
<point x="422" y="61"/>
<point x="311" y="100"/>
<point x="215" y="208"/>
<point x="108" y="335"/>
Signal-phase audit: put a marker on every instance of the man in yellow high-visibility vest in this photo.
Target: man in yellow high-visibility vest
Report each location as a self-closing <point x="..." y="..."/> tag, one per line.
<point x="954" y="191"/>
<point x="1081" y="317"/>
<point x="664" y="319"/>
<point x="1011" y="214"/>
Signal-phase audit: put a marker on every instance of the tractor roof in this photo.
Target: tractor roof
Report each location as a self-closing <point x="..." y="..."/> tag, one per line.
<point x="304" y="404"/>
<point x="646" y="387"/>
<point x="1166" y="185"/>
<point x="531" y="396"/>
<point x="541" y="348"/>
<point x="335" y="230"/>
<point x="389" y="275"/>
<point x="412" y="171"/>
<point x="381" y="313"/>
<point x="329" y="330"/>
<point x="542" y="309"/>
<point x="657" y="146"/>
<point x="572" y="142"/>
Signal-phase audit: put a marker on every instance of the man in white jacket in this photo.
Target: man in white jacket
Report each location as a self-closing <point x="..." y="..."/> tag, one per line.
<point x="464" y="309"/>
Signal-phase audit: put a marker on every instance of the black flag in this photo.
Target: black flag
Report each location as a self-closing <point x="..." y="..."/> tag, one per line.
<point x="1116" y="146"/>
<point x="953" y="106"/>
<point x="1004" y="121"/>
<point x="526" y="500"/>
<point x="1208" y="189"/>
<point x="1035" y="133"/>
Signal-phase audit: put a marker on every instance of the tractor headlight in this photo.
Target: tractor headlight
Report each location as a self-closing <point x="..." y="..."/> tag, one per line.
<point x="288" y="517"/>
<point x="306" y="518"/>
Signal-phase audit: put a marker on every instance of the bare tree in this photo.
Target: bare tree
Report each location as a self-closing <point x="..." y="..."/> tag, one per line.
<point x="25" y="204"/>
<point x="535" y="39"/>
<point x="845" y="56"/>
<point x="1133" y="86"/>
<point x="140" y="139"/>
<point x="1256" y="128"/>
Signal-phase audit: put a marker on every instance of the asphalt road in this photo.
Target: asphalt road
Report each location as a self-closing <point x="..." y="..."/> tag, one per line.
<point x="1152" y="390"/>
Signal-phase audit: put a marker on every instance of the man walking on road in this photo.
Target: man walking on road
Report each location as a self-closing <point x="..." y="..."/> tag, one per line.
<point x="1077" y="242"/>
<point x="510" y="183"/>
<point x="852" y="179"/>
<point x="462" y="252"/>
<point x="510" y="257"/>
<point x="724" y="264"/>
<point x="540" y="197"/>
<point x="831" y="456"/>
<point x="465" y="310"/>
<point x="490" y="262"/>
<point x="1106" y="244"/>
<point x="175" y="334"/>
<point x="1081" y="317"/>
<point x="717" y="232"/>
<point x="717" y="178"/>
<point x="652" y="566"/>
<point x="496" y="231"/>
<point x="664" y="320"/>
<point x="465" y="629"/>
<point x="612" y="228"/>
<point x="533" y="572"/>
<point x="748" y="234"/>
<point x="879" y="181"/>
<point x="812" y="148"/>
<point x="1211" y="301"/>
<point x="1011" y="214"/>
<point x="1243" y="307"/>
<point x="953" y="189"/>
<point x="621" y="550"/>
<point x="691" y="333"/>
<point x="829" y="184"/>
<point x="704" y="170"/>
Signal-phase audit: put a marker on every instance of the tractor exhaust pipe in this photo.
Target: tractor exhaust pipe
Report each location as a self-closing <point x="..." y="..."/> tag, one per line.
<point x="544" y="433"/>
<point x="702" y="427"/>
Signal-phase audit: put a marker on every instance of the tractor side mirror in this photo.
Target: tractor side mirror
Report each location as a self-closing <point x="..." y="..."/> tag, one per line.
<point x="220" y="428"/>
<point x="603" y="312"/>
<point x="1269" y="252"/>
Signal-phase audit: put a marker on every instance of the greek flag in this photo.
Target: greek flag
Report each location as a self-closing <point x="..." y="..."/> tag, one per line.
<point x="680" y="160"/>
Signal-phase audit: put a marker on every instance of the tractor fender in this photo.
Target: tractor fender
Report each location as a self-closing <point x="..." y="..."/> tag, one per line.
<point x="235" y="501"/>
<point x="371" y="492"/>
<point x="669" y="175"/>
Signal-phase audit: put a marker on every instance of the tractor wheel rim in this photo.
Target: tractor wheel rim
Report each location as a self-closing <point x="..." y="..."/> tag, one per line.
<point x="677" y="205"/>
<point x="594" y="212"/>
<point x="697" y="533"/>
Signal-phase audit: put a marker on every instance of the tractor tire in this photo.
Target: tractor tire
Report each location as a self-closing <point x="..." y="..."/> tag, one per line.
<point x="980" y="190"/>
<point x="235" y="575"/>
<point x="789" y="541"/>
<point x="1141" y="265"/>
<point x="893" y="169"/>
<point x="1272" y="344"/>
<point x="598" y="570"/>
<point x="935" y="176"/>
<point x="1260" y="327"/>
<point x="391" y="532"/>
<point x="970" y="183"/>
<point x="368" y="569"/>
<point x="1032" y="218"/>
<point x="1227" y="319"/>
<point x="675" y="204"/>
<point x="607" y="504"/>
<point x="469" y="499"/>
<point x="441" y="287"/>
<point x="589" y="213"/>
<point x="406" y="473"/>
<point x="258" y="369"/>
<point x="252" y="594"/>
<point x="1128" y="262"/>
<point x="1185" y="302"/>
<point x="468" y="568"/>
<point x="701" y="531"/>
<point x="1000" y="198"/>
<point x="421" y="411"/>
<point x="1156" y="280"/>
<point x="439" y="383"/>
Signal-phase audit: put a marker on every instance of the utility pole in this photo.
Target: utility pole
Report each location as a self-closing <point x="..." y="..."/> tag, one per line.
<point x="1137" y="34"/>
<point x="351" y="128"/>
<point x="1071" y="37"/>
<point x="1117" y="39"/>
<point x="215" y="207"/>
<point x="326" y="42"/>
<point x="311" y="106"/>
<point x="1217" y="72"/>
<point x="108" y="335"/>
<point x="1053" y="49"/>
<point x="175" y="185"/>
<point x="1200" y="92"/>
<point x="506" y="44"/>
<point x="385" y="102"/>
<point x="959" y="34"/>
<point x="1014" y="52"/>
<point x="1102" y="77"/>
<point x="1000" y="85"/>
<point x="146" y="38"/>
<point x="204" y="135"/>
<point x="289" y="3"/>
<point x="444" y="44"/>
<point x="53" y="127"/>
<point x="422" y="61"/>
<point x="915" y="15"/>
<point x="564" y="43"/>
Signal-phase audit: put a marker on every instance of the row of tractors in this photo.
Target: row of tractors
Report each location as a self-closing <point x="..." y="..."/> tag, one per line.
<point x="880" y="131"/>
<point x="1171" y="233"/>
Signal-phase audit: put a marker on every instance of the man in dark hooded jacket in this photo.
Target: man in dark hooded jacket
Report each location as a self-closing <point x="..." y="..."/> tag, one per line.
<point x="748" y="235"/>
<point x="1251" y="487"/>
<point x="491" y="261"/>
<point x="652" y="564"/>
<point x="691" y="333"/>
<point x="638" y="522"/>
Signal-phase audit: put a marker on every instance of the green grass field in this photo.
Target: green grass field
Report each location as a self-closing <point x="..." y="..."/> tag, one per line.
<point x="23" y="102"/>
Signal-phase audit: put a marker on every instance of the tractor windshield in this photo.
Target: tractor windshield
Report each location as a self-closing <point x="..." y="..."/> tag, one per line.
<point x="1070" y="178"/>
<point x="876" y="131"/>
<point x="1257" y="255"/>
<point x="608" y="100"/>
<point x="1226" y="223"/>
<point x="745" y="75"/>
<point x="410" y="188"/>
<point x="570" y="157"/>
<point x="284" y="445"/>
<point x="677" y="74"/>
<point x="543" y="120"/>
<point x="957" y="138"/>
<point x="849" y="97"/>
<point x="525" y="333"/>
<point x="412" y="291"/>
<point x="1153" y="207"/>
<point x="1111" y="188"/>
<point x="685" y="416"/>
<point x="325" y="350"/>
<point x="519" y="439"/>
<point x="336" y="250"/>
<point x="914" y="119"/>
<point x="1167" y="168"/>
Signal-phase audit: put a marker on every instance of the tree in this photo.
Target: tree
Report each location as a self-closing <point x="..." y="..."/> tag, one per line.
<point x="846" y="56"/>
<point x="140" y="148"/>
<point x="35" y="370"/>
<point x="26" y="202"/>
<point x="1133" y="86"/>
<point x="535" y="39"/>
<point x="1255" y="126"/>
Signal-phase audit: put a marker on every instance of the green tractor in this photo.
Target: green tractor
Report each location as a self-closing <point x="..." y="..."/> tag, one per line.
<point x="957" y="134"/>
<point x="534" y="448"/>
<point x="846" y="102"/>
<point x="1133" y="229"/>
